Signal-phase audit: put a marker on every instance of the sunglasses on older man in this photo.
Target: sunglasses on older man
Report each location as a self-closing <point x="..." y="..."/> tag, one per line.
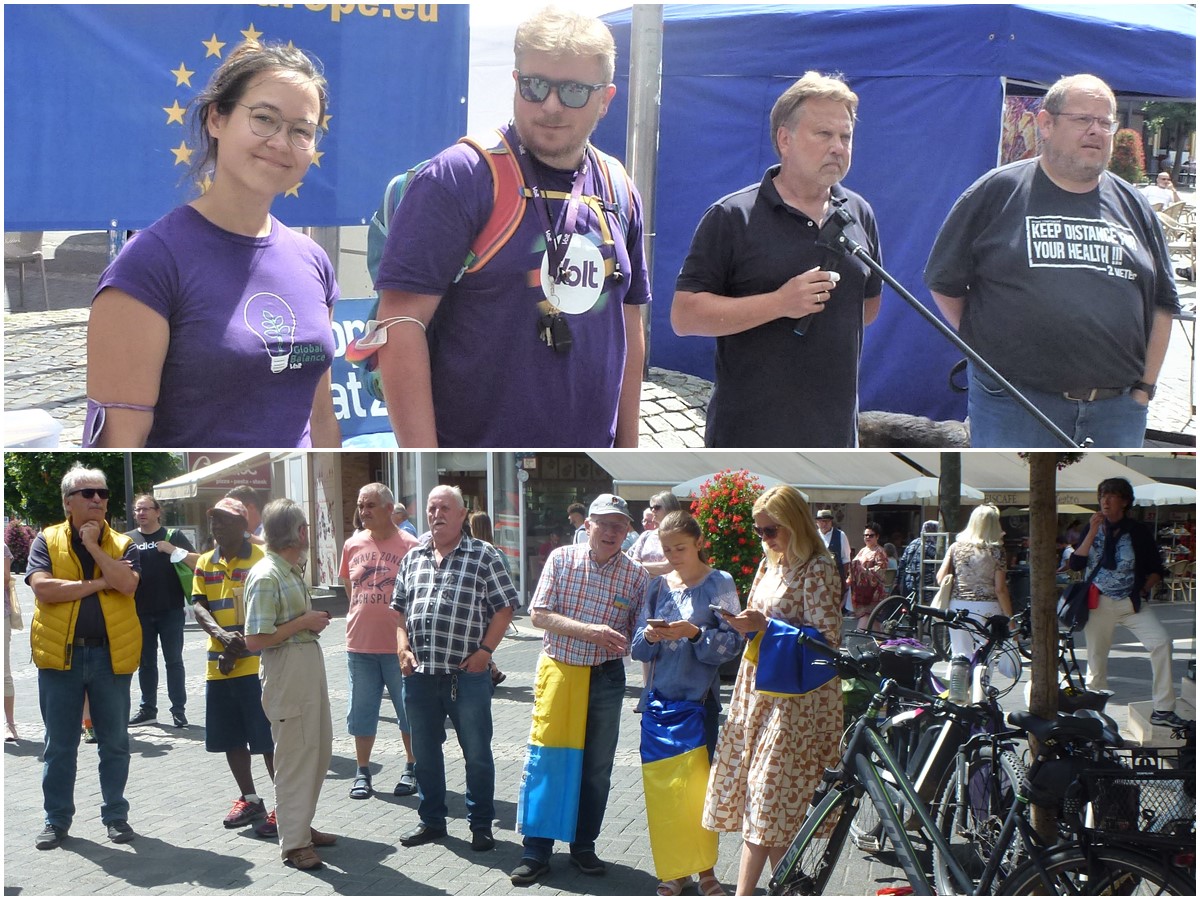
<point x="91" y="493"/>
<point x="571" y="94"/>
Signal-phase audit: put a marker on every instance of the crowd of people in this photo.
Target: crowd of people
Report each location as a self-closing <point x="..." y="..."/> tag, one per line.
<point x="490" y="296"/>
<point x="426" y="616"/>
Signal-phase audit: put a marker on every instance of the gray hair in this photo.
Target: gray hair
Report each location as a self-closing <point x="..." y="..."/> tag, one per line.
<point x="75" y="475"/>
<point x="669" y="502"/>
<point x="453" y="489"/>
<point x="1056" y="97"/>
<point x="811" y="86"/>
<point x="382" y="491"/>
<point x="560" y="32"/>
<point x="281" y="521"/>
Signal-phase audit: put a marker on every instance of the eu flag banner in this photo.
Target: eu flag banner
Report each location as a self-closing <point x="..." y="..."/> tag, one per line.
<point x="675" y="779"/>
<point x="94" y="102"/>
<point x="548" y="801"/>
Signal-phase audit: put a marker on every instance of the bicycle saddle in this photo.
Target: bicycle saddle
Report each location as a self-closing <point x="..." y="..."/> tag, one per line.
<point x="1064" y="727"/>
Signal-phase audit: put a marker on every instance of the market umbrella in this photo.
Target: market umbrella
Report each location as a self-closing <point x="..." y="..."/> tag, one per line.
<point x="915" y="491"/>
<point x="691" y="487"/>
<point x="1159" y="493"/>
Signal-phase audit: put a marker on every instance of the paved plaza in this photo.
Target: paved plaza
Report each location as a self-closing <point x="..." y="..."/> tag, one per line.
<point x="179" y="793"/>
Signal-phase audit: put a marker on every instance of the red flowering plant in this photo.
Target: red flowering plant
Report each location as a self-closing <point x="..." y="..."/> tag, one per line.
<point x="725" y="511"/>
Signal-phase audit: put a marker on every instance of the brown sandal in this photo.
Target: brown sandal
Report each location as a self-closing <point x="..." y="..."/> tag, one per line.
<point x="303" y="858"/>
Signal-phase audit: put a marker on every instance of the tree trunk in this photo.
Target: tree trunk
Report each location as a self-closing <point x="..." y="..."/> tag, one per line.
<point x="1043" y="523"/>
<point x="950" y="491"/>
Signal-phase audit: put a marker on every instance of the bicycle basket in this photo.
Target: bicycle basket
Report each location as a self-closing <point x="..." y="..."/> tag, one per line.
<point x="1149" y="799"/>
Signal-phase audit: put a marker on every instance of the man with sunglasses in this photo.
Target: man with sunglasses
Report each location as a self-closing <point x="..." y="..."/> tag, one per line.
<point x="756" y="280"/>
<point x="86" y="641"/>
<point x="539" y="341"/>
<point x="1056" y="253"/>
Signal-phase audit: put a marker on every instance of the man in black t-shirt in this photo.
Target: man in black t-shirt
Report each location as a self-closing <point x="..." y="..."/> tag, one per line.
<point x="160" y="608"/>
<point x="755" y="278"/>
<point x="1058" y="273"/>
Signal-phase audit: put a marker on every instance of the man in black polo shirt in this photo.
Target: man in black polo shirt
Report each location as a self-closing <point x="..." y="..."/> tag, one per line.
<point x="754" y="277"/>
<point x="160" y="608"/>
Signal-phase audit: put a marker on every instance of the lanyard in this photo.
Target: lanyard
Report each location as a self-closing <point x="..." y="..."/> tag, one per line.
<point x="557" y="244"/>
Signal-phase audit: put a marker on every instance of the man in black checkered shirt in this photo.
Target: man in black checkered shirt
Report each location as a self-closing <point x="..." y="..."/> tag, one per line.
<point x="455" y="600"/>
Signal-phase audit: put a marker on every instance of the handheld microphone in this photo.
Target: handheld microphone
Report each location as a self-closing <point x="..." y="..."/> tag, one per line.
<point x="829" y="240"/>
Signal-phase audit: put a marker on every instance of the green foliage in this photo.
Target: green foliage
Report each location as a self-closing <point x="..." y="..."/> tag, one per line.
<point x="32" y="481"/>
<point x="18" y="537"/>
<point x="1169" y="116"/>
<point x="725" y="511"/>
<point x="1128" y="158"/>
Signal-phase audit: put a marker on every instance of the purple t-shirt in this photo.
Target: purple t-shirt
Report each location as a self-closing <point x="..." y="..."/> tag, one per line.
<point x="249" y="325"/>
<point x="495" y="383"/>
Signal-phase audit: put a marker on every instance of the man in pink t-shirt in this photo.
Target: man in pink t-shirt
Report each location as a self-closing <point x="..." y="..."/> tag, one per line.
<point x="369" y="563"/>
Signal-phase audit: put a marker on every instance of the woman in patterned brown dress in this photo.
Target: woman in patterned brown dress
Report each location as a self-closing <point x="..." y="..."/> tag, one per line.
<point x="773" y="749"/>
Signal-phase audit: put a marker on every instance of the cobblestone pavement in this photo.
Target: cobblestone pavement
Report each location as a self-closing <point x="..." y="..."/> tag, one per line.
<point x="44" y="359"/>
<point x="178" y="794"/>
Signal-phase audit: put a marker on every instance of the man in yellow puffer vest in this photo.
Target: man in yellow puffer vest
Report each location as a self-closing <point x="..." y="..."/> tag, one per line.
<point x="86" y="642"/>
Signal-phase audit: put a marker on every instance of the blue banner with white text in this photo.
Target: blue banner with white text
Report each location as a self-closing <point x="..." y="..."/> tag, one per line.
<point x="95" y="100"/>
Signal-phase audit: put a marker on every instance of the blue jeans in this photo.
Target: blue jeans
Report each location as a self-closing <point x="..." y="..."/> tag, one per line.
<point x="60" y="695"/>
<point x="467" y="699"/>
<point x="997" y="420"/>
<point x="605" y="696"/>
<point x="167" y="627"/>
<point x="369" y="673"/>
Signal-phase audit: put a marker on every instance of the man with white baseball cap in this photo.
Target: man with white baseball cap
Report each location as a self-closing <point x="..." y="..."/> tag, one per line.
<point x="587" y="602"/>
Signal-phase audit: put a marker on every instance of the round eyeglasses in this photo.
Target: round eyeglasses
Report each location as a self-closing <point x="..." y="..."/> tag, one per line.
<point x="265" y="121"/>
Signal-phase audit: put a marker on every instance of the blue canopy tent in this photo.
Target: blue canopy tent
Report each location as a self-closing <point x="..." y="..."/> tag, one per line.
<point x="931" y="81"/>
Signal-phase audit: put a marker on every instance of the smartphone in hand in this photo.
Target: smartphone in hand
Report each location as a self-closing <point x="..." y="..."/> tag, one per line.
<point x="657" y="623"/>
<point x="719" y="610"/>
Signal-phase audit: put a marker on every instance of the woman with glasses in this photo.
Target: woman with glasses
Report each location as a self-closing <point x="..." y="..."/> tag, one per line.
<point x="976" y="560"/>
<point x="868" y="570"/>
<point x="647" y="550"/>
<point x="773" y="748"/>
<point x="212" y="326"/>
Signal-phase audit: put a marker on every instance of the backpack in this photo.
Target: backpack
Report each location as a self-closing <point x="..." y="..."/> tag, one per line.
<point x="509" y="196"/>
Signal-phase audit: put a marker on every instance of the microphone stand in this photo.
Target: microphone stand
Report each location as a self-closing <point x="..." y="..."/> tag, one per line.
<point x="833" y="237"/>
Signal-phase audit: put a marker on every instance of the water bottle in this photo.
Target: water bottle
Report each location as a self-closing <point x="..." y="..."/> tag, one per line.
<point x="960" y="679"/>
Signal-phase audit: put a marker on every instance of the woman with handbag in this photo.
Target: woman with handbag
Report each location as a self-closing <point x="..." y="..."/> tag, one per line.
<point x="773" y="749"/>
<point x="976" y="562"/>
<point x="684" y="642"/>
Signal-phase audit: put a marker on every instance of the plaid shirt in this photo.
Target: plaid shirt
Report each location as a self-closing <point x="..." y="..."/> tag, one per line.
<point x="573" y="585"/>
<point x="276" y="593"/>
<point x="448" y="608"/>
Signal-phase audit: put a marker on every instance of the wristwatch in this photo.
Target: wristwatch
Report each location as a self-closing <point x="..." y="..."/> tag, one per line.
<point x="487" y="649"/>
<point x="1149" y="389"/>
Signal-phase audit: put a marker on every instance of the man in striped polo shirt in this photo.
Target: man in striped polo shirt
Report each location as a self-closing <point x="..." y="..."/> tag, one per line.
<point x="234" y="720"/>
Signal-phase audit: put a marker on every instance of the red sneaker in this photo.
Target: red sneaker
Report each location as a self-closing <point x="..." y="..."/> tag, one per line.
<point x="244" y="812"/>
<point x="268" y="827"/>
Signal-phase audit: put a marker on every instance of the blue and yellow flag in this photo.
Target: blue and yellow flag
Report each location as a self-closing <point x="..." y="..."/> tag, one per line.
<point x="787" y="667"/>
<point x="548" y="802"/>
<point x="675" y="778"/>
<point x="95" y="99"/>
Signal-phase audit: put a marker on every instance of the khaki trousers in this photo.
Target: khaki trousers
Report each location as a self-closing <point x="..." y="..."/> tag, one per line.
<point x="1146" y="628"/>
<point x="295" y="697"/>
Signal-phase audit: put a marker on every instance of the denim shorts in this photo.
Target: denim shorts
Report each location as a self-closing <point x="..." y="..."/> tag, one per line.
<point x="369" y="674"/>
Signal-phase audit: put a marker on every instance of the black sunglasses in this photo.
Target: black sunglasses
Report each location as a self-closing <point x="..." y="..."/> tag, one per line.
<point x="656" y="507"/>
<point x="767" y="531"/>
<point x="89" y="493"/>
<point x="571" y="94"/>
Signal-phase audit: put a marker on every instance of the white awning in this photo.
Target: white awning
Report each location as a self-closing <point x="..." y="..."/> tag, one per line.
<point x="1004" y="477"/>
<point x="834" y="476"/>
<point x="184" y="487"/>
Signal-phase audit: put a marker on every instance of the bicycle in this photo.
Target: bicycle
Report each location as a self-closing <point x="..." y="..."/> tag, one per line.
<point x="897" y="616"/>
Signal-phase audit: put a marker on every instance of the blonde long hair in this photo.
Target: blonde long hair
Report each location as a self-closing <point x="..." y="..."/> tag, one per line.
<point x="983" y="528"/>
<point x="785" y="505"/>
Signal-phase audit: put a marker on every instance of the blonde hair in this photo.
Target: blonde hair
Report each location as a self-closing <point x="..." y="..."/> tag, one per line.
<point x="811" y="86"/>
<point x="786" y="506"/>
<point x="559" y="32"/>
<point x="983" y="528"/>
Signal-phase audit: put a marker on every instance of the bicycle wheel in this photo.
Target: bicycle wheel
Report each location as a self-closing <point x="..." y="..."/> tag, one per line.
<point x="809" y="861"/>
<point x="970" y="815"/>
<point x="1102" y="872"/>
<point x="892" y="617"/>
<point x="1003" y="668"/>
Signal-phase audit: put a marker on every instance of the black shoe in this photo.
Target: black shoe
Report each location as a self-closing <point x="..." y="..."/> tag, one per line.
<point x="587" y="862"/>
<point x="408" y="782"/>
<point x="1168" y="717"/>
<point x="119" y="832"/>
<point x="144" y="717"/>
<point x="482" y="839"/>
<point x="422" y="834"/>
<point x="179" y="720"/>
<point x="528" y="871"/>
<point x="52" y="836"/>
